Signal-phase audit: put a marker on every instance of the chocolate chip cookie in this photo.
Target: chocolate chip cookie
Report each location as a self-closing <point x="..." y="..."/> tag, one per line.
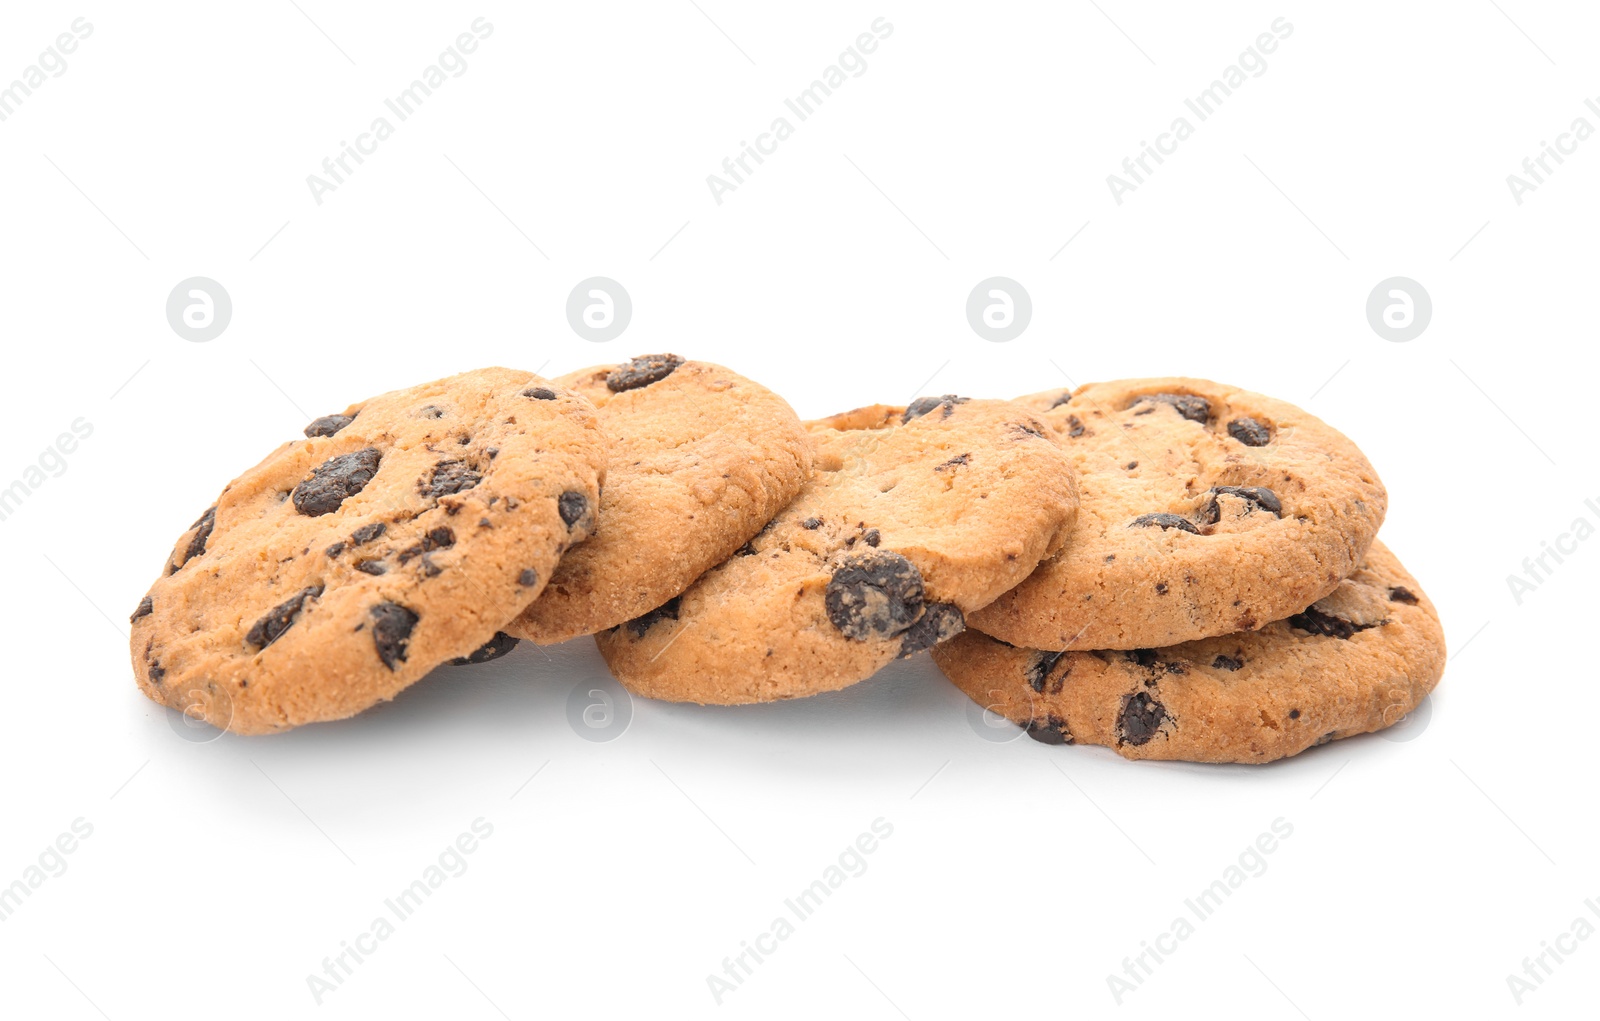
<point x="397" y="535"/>
<point x="701" y="459"/>
<point x="1205" y="510"/>
<point x="916" y="516"/>
<point x="1355" y="661"/>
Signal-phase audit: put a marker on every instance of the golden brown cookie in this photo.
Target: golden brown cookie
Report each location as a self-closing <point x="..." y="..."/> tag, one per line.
<point x="1355" y="661"/>
<point x="1205" y="510"/>
<point x="396" y="536"/>
<point x="914" y="518"/>
<point x="701" y="459"/>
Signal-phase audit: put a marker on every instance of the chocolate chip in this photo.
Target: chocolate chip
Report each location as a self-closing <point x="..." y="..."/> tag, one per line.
<point x="877" y="594"/>
<point x="1226" y="663"/>
<point x="1401" y="594"/>
<point x="197" y="543"/>
<point x="1051" y="730"/>
<point x="645" y="621"/>
<point x="391" y="632"/>
<point x="573" y="505"/>
<point x="267" y="630"/>
<point x="1130" y="466"/>
<point x="1256" y="496"/>
<point x="1316" y="622"/>
<point x="1141" y="717"/>
<point x="1294" y="714"/>
<point x="641" y="371"/>
<point x="939" y="622"/>
<point x="1066" y="397"/>
<point x="540" y="393"/>
<point x="334" y="550"/>
<point x="1195" y="409"/>
<point x="1164" y="521"/>
<point x="528" y="578"/>
<point x="954" y="462"/>
<point x="1039" y="669"/>
<point x="922" y="405"/>
<point x="367" y="533"/>
<point x="436" y="538"/>
<point x="327" y="425"/>
<point x="1077" y="426"/>
<point x="451" y="477"/>
<point x="432" y="411"/>
<point x="156" y="671"/>
<point x="872" y="537"/>
<point x="1249" y="432"/>
<point x="1161" y="588"/>
<point x="334" y="481"/>
<point x="373" y="567"/>
<point x="811" y="523"/>
<point x="494" y="648"/>
<point x="144" y="609"/>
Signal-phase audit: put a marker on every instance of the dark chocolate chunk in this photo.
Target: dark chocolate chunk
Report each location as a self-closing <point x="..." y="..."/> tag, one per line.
<point x="939" y="622"/>
<point x="327" y="425"/>
<point x="1316" y="622"/>
<point x="540" y="393"/>
<point x="156" y="671"/>
<point x="334" y="481"/>
<point x="197" y="543"/>
<point x="528" y="578"/>
<point x="872" y="537"/>
<point x="1050" y="730"/>
<point x="144" y="609"/>
<point x="573" y="506"/>
<point x="367" y="533"/>
<point x="922" y="405"/>
<point x="1039" y="669"/>
<point x="1195" y="409"/>
<point x="334" y="549"/>
<point x="441" y="537"/>
<point x="373" y="567"/>
<point x="811" y="523"/>
<point x="1249" y="432"/>
<point x="391" y="632"/>
<point x="642" y="623"/>
<point x="451" y="477"/>
<point x="1065" y="398"/>
<point x="1294" y="714"/>
<point x="1141" y="717"/>
<point x="1401" y="594"/>
<point x="641" y="371"/>
<point x="267" y="630"/>
<point x="1164" y="521"/>
<point x="494" y="648"/>
<point x="1226" y="663"/>
<point x="1256" y="496"/>
<point x="1077" y="426"/>
<point x="877" y="594"/>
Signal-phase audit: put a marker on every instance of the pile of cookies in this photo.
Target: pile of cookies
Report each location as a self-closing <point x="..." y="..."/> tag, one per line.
<point x="1171" y="568"/>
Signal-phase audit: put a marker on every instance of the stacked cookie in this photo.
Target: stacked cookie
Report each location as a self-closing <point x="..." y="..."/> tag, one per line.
<point x="1213" y="547"/>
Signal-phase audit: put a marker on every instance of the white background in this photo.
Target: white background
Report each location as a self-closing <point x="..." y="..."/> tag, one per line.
<point x="219" y="875"/>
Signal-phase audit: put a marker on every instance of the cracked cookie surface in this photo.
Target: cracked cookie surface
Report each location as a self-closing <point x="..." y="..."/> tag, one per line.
<point x="1356" y="661"/>
<point x="1205" y="510"/>
<point x="398" y="535"/>
<point x="915" y="517"/>
<point x="701" y="459"/>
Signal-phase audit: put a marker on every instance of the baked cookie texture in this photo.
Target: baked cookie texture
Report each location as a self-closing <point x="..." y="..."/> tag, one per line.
<point x="701" y="459"/>
<point x="915" y="517"/>
<point x="1205" y="510"/>
<point x="397" y="535"/>
<point x="1357" y="660"/>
